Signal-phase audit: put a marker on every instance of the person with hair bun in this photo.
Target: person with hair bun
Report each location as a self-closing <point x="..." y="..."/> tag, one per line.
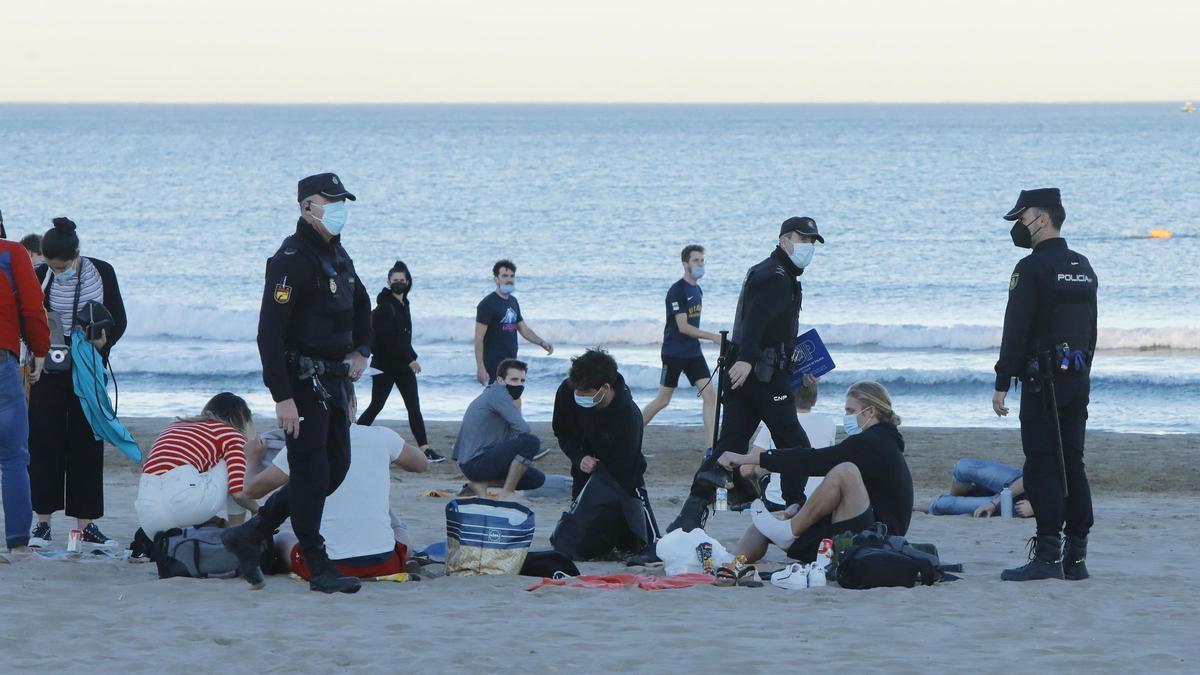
<point x="196" y="469"/>
<point x="393" y="355"/>
<point x="66" y="461"/>
<point x="866" y="480"/>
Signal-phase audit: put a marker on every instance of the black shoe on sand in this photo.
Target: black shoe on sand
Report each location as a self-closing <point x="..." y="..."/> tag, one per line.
<point x="433" y="457"/>
<point x="647" y="557"/>
<point x="245" y="542"/>
<point x="1074" y="552"/>
<point x="325" y="576"/>
<point x="1044" y="562"/>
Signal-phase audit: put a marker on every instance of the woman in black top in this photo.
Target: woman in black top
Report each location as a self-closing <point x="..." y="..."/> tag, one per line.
<point x="66" y="462"/>
<point x="866" y="481"/>
<point x="392" y="354"/>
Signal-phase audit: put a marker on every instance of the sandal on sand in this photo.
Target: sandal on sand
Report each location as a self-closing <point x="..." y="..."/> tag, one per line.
<point x="725" y="577"/>
<point x="747" y="575"/>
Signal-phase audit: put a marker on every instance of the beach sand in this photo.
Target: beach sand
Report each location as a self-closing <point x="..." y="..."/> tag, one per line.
<point x="1137" y="613"/>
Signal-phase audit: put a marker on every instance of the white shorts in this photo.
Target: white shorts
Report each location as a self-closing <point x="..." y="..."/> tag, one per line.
<point x="183" y="497"/>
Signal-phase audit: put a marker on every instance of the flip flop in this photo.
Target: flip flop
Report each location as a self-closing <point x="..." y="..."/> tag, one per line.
<point x="726" y="577"/>
<point x="748" y="576"/>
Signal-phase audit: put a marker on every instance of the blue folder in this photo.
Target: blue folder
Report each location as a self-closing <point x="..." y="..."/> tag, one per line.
<point x="810" y="358"/>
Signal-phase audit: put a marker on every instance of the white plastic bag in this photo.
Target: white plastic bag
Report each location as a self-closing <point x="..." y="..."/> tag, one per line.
<point x="677" y="549"/>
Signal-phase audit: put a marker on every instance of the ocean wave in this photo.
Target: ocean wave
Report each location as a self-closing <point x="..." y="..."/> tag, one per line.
<point x="210" y="323"/>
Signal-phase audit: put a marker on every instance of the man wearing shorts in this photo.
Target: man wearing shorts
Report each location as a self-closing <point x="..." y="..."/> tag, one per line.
<point x="681" y="354"/>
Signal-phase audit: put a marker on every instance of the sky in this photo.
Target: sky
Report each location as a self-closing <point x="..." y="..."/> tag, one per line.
<point x="402" y="51"/>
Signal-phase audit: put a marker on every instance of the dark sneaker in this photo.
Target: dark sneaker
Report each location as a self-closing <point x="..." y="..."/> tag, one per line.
<point x="40" y="537"/>
<point x="433" y="457"/>
<point x="94" y="538"/>
<point x="647" y="557"/>
<point x="245" y="542"/>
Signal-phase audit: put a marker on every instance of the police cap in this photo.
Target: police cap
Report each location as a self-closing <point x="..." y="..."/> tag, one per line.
<point x="325" y="184"/>
<point x="1039" y="198"/>
<point x="804" y="225"/>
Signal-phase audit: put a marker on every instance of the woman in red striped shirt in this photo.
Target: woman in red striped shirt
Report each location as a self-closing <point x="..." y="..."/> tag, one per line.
<point x="195" y="470"/>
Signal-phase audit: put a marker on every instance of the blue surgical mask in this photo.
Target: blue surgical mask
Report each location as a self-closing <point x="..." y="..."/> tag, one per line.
<point x="507" y="288"/>
<point x="802" y="254"/>
<point x="851" y="424"/>
<point x="588" y="401"/>
<point x="697" y="272"/>
<point x="333" y="218"/>
<point x="67" y="274"/>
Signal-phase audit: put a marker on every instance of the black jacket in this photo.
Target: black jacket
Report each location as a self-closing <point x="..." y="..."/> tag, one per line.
<point x="112" y="301"/>
<point x="612" y="435"/>
<point x="391" y="333"/>
<point x="768" y="308"/>
<point x="878" y="452"/>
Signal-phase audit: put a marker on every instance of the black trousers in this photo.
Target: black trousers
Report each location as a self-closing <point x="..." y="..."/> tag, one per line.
<point x="405" y="380"/>
<point x="317" y="460"/>
<point x="1042" y="483"/>
<point x="66" y="462"/>
<point x="742" y="410"/>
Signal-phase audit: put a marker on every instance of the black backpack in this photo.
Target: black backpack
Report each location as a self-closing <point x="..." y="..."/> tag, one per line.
<point x="601" y="519"/>
<point x="875" y="559"/>
<point x="197" y="552"/>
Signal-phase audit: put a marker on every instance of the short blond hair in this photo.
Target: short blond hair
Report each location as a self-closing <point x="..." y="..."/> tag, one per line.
<point x="874" y="395"/>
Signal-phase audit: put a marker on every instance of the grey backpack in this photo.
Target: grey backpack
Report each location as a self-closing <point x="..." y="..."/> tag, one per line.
<point x="197" y="552"/>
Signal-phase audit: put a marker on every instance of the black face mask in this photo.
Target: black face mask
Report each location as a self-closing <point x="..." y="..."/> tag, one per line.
<point x="399" y="287"/>
<point x="515" y="390"/>
<point x="1021" y="236"/>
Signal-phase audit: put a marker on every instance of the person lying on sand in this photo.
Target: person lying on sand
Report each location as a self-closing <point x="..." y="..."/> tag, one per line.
<point x="975" y="489"/>
<point x="866" y="480"/>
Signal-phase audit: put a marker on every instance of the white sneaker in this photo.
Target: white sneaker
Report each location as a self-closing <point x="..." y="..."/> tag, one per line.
<point x="793" y="577"/>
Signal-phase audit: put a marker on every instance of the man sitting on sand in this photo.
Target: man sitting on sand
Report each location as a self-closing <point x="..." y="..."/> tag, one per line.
<point x="975" y="489"/>
<point x="494" y="445"/>
<point x="866" y="481"/>
<point x="359" y="528"/>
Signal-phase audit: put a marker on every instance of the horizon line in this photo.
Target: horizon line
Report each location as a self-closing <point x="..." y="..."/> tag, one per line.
<point x="597" y="103"/>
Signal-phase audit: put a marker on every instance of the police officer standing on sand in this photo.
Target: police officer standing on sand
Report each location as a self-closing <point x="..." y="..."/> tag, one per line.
<point x="758" y="384"/>
<point x="1049" y="340"/>
<point x="314" y="332"/>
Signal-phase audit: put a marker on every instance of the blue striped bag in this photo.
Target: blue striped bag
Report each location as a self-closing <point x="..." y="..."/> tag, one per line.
<point x="486" y="536"/>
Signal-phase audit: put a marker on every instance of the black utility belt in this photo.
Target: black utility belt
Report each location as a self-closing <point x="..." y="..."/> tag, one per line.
<point x="306" y="367"/>
<point x="771" y="362"/>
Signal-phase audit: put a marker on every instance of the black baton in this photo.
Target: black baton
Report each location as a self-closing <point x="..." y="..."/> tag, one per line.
<point x="1050" y="402"/>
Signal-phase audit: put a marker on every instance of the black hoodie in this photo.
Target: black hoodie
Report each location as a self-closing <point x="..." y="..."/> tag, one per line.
<point x="612" y="435"/>
<point x="878" y="452"/>
<point x="391" y="333"/>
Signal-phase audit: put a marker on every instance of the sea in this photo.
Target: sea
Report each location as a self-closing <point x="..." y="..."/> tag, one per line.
<point x="594" y="204"/>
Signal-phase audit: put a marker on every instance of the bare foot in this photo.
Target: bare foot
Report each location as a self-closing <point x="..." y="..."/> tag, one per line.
<point x="505" y="496"/>
<point x="480" y="489"/>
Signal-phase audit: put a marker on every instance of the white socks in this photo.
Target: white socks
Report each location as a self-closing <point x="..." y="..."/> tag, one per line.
<point x="778" y="531"/>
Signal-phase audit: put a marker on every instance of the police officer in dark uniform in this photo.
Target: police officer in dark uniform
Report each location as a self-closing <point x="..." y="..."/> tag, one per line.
<point x="314" y="332"/>
<point x="757" y="387"/>
<point x="1049" y="340"/>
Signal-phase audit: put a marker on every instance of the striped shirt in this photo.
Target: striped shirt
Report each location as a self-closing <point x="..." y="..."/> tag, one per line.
<point x="202" y="445"/>
<point x="62" y="293"/>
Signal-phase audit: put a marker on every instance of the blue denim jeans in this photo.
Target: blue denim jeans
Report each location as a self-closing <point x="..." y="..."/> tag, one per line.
<point x="14" y="452"/>
<point x="492" y="463"/>
<point x="987" y="478"/>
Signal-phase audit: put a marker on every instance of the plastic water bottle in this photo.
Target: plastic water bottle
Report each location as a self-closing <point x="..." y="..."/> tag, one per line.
<point x="1006" y="503"/>
<point x="722" y="499"/>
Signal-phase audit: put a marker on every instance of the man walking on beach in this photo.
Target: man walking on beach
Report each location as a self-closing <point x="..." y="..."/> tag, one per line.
<point x="758" y="387"/>
<point x="497" y="321"/>
<point x="681" y="354"/>
<point x="1049" y="341"/>
<point x="314" y="334"/>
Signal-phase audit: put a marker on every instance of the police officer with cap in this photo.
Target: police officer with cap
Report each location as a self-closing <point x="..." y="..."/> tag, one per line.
<point x="1049" y="340"/>
<point x="314" y="332"/>
<point x="757" y="386"/>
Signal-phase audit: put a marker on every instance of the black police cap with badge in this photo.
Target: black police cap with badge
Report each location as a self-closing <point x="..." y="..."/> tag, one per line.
<point x="1041" y="198"/>
<point x="327" y="185"/>
<point x="805" y="226"/>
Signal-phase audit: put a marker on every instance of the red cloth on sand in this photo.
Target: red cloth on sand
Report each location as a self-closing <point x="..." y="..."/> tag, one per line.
<point x="393" y="565"/>
<point x="642" y="581"/>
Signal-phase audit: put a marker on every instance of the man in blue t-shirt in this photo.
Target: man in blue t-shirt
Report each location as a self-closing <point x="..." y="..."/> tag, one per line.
<point x="497" y="321"/>
<point x="681" y="341"/>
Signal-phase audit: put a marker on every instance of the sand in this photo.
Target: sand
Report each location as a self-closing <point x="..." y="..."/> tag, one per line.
<point x="1137" y="613"/>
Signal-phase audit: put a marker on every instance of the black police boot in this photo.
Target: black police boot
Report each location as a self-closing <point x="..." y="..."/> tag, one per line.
<point x="247" y="541"/>
<point x="647" y="556"/>
<point x="713" y="477"/>
<point x="1044" y="562"/>
<point x="694" y="514"/>
<point x="1074" y="552"/>
<point x="325" y="577"/>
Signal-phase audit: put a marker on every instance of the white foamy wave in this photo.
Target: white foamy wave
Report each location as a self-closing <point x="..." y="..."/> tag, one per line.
<point x="210" y="323"/>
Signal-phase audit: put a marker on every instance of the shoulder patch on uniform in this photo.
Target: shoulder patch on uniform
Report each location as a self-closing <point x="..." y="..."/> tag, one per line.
<point x="780" y="271"/>
<point x="283" y="292"/>
<point x="1012" y="281"/>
